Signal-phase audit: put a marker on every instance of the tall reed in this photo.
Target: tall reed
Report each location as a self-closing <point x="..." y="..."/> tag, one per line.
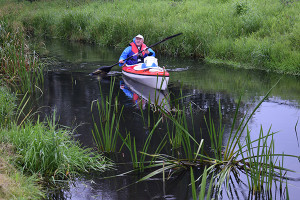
<point x="139" y="161"/>
<point x="254" y="157"/>
<point x="19" y="67"/>
<point x="107" y="134"/>
<point x="203" y="193"/>
<point x="7" y="106"/>
<point x="260" y="162"/>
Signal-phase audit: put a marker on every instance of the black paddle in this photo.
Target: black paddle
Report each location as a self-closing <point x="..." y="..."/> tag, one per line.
<point x="106" y="69"/>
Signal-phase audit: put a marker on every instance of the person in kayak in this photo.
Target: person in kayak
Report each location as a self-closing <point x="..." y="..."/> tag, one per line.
<point x="136" y="47"/>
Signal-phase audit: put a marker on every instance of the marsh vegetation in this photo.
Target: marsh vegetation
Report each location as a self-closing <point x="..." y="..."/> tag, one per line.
<point x="224" y="161"/>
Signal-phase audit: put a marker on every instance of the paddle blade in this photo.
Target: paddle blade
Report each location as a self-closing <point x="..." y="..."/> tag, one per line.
<point x="101" y="70"/>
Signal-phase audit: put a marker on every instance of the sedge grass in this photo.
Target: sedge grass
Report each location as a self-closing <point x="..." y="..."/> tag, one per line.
<point x="256" y="158"/>
<point x="107" y="134"/>
<point x="138" y="161"/>
<point x="48" y="150"/>
<point x="259" y="163"/>
<point x="203" y="193"/>
<point x="216" y="136"/>
<point x="19" y="67"/>
<point x="7" y="106"/>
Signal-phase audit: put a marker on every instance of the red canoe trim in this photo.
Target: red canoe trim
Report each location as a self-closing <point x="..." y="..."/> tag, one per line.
<point x="144" y="72"/>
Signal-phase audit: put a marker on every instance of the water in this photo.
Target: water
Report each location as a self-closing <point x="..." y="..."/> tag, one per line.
<point x="70" y="90"/>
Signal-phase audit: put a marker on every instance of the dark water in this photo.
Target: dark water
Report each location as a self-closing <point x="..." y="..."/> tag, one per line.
<point x="70" y="91"/>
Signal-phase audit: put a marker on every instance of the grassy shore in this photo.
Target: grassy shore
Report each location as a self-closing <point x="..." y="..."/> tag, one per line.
<point x="43" y="151"/>
<point x="32" y="151"/>
<point x="13" y="183"/>
<point x="248" y="33"/>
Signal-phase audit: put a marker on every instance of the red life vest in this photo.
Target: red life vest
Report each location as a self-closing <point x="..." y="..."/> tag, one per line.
<point x="136" y="50"/>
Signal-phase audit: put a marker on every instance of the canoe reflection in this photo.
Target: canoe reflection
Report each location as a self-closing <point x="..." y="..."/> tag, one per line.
<point x="142" y="94"/>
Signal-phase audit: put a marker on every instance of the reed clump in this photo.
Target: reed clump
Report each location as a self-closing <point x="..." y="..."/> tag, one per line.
<point x="225" y="161"/>
<point x="20" y="67"/>
<point x="106" y="129"/>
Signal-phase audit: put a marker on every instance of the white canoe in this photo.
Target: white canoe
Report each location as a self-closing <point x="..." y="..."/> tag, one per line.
<point x="154" y="77"/>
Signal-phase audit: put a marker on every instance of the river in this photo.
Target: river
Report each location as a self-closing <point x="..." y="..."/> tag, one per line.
<point x="70" y="90"/>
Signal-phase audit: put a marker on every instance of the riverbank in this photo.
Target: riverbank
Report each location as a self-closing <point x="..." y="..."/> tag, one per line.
<point x="13" y="183"/>
<point x="248" y="34"/>
<point x="43" y="151"/>
<point x="32" y="151"/>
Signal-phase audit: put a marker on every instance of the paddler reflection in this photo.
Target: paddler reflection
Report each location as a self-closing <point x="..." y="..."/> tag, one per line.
<point x="142" y="94"/>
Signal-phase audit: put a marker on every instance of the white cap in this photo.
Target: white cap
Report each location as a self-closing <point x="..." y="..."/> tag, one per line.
<point x="140" y="36"/>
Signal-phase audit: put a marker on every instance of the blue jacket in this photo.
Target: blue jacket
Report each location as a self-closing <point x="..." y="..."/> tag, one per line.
<point x="134" y="60"/>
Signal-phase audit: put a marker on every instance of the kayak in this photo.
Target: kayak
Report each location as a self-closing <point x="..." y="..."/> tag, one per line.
<point x="154" y="76"/>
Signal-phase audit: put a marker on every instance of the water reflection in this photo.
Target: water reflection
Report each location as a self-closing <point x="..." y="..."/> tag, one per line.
<point x="142" y="94"/>
<point x="200" y="86"/>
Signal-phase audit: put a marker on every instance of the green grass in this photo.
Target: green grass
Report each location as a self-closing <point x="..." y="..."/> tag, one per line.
<point x="50" y="151"/>
<point x="261" y="34"/>
<point x="13" y="183"/>
<point x="7" y="106"/>
<point x="20" y="68"/>
<point x="106" y="134"/>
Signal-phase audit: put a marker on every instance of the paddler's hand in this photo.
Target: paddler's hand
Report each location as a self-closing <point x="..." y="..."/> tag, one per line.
<point x="147" y="51"/>
<point x="121" y="61"/>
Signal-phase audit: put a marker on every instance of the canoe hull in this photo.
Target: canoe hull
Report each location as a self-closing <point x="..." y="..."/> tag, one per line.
<point x="157" y="78"/>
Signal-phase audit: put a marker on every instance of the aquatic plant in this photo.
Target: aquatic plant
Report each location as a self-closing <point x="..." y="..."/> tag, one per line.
<point x="107" y="132"/>
<point x="254" y="158"/>
<point x="203" y="193"/>
<point x="19" y="67"/>
<point x="139" y="161"/>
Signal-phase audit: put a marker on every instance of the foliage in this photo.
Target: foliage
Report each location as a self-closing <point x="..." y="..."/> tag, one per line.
<point x="7" y="106"/>
<point x="48" y="150"/>
<point x="109" y="117"/>
<point x="263" y="34"/>
<point x="13" y="183"/>
<point x="238" y="154"/>
<point x="19" y="67"/>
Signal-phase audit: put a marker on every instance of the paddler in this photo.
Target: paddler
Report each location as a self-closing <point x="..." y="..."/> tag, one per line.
<point x="136" y="47"/>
